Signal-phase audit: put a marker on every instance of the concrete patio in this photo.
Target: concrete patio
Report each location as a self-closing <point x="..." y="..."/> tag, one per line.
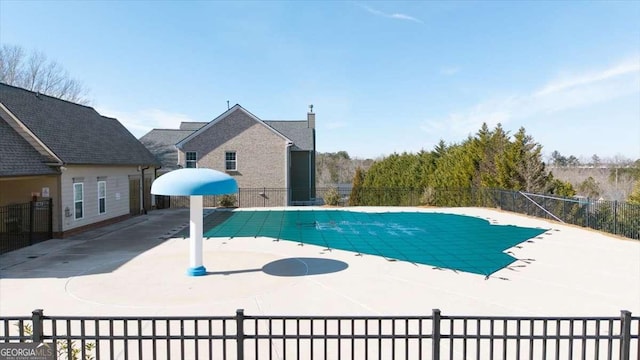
<point x="136" y="267"/>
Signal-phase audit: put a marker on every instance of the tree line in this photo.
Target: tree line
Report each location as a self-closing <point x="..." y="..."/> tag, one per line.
<point x="491" y="158"/>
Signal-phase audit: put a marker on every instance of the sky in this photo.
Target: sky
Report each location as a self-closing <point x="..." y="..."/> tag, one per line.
<point x="383" y="77"/>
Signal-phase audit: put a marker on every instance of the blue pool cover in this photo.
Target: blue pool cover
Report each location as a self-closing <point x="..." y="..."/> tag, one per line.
<point x="449" y="241"/>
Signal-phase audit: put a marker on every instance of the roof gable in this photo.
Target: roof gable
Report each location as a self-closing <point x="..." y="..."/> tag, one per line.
<point x="28" y="136"/>
<point x="75" y="133"/>
<point x="18" y="157"/>
<point x="223" y="116"/>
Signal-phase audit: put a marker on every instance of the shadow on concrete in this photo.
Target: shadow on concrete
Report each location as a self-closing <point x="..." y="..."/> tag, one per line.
<point x="104" y="250"/>
<point x="303" y="266"/>
<point x="233" y="272"/>
<point x="97" y="251"/>
<point x="293" y="267"/>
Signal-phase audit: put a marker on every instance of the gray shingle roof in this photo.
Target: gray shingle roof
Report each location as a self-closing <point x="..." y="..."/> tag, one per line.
<point x="77" y="134"/>
<point x="296" y="131"/>
<point x="192" y="125"/>
<point x="18" y="157"/>
<point x="161" y="142"/>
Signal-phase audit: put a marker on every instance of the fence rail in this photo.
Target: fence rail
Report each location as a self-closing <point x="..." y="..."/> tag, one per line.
<point x="330" y="337"/>
<point x="613" y="217"/>
<point x="25" y="224"/>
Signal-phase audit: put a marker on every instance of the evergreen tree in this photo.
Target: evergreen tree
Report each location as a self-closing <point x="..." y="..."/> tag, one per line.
<point x="589" y="188"/>
<point x="560" y="188"/>
<point x="440" y="149"/>
<point x="524" y="159"/>
<point x="456" y="168"/>
<point x="355" y="198"/>
<point x="490" y="159"/>
<point x="491" y="146"/>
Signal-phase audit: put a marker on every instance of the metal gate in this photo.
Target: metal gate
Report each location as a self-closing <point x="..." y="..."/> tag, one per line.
<point x="25" y="224"/>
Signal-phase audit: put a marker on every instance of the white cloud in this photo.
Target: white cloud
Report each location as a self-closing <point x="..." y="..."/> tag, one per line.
<point x="560" y="94"/>
<point x="403" y="17"/>
<point x="142" y="121"/>
<point x="397" y="16"/>
<point x="566" y="83"/>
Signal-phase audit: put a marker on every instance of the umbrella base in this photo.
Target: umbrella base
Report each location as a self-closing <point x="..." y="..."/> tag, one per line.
<point x="197" y="271"/>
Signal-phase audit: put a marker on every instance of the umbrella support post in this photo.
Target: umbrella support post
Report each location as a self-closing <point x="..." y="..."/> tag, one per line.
<point x="196" y="268"/>
<point x="194" y="183"/>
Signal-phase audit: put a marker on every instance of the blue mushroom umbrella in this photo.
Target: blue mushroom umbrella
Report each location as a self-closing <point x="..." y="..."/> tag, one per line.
<point x="195" y="183"/>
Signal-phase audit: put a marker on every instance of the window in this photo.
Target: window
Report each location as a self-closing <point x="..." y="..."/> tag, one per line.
<point x="102" y="197"/>
<point x="231" y="164"/>
<point x="78" y="200"/>
<point x="191" y="159"/>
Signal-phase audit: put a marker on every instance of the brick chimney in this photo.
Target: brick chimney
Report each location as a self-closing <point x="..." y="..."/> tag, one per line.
<point x="311" y="118"/>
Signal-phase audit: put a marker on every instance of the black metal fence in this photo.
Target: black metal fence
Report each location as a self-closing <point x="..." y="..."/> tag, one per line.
<point x="25" y="224"/>
<point x="330" y="337"/>
<point x="613" y="217"/>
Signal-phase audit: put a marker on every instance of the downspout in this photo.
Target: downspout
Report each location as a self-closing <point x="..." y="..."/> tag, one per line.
<point x="287" y="172"/>
<point x="58" y="230"/>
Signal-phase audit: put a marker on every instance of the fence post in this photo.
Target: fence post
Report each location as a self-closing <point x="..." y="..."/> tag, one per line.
<point x="625" y="334"/>
<point x="32" y="210"/>
<point x="435" y="333"/>
<point x="240" y="334"/>
<point x="615" y="217"/>
<point x="588" y="211"/>
<point x="36" y="323"/>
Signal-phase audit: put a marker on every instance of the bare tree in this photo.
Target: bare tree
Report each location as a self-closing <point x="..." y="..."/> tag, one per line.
<point x="611" y="178"/>
<point x="35" y="72"/>
<point x="337" y="168"/>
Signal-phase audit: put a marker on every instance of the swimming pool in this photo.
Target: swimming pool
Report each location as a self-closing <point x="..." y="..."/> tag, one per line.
<point x="440" y="240"/>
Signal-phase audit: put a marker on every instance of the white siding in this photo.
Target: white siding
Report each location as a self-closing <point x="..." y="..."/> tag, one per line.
<point x="117" y="202"/>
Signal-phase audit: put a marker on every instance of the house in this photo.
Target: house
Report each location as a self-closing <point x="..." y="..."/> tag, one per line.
<point x="259" y="154"/>
<point x="89" y="165"/>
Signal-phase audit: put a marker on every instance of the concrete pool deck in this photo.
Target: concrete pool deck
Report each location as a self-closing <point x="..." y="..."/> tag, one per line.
<point x="137" y="267"/>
